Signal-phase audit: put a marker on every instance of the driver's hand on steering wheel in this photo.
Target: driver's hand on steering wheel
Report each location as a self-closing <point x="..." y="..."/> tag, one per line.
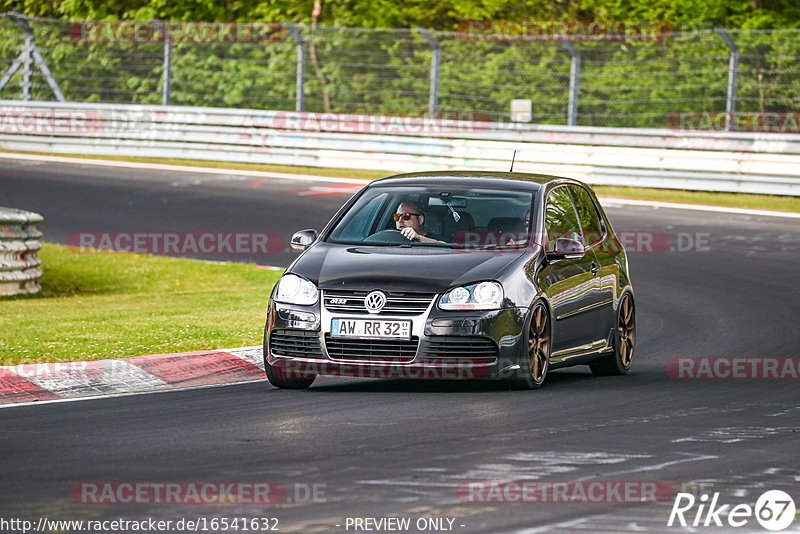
<point x="410" y="234"/>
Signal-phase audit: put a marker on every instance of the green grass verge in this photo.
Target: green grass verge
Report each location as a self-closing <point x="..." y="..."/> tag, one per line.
<point x="734" y="200"/>
<point x="117" y="305"/>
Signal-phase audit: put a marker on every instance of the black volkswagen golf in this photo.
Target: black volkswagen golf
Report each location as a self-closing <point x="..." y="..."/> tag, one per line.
<point x="453" y="274"/>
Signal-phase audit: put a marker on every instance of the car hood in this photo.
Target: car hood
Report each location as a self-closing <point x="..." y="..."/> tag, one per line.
<point x="420" y="268"/>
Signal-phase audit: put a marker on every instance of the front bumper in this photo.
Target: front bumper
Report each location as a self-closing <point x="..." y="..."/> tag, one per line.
<point x="444" y="344"/>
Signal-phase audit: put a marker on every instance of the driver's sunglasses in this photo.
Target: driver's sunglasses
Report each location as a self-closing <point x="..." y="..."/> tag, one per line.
<point x="406" y="216"/>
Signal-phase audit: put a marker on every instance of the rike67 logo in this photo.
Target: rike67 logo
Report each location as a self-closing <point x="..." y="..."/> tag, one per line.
<point x="774" y="510"/>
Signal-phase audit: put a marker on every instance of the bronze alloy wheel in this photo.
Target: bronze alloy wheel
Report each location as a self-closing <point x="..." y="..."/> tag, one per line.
<point x="626" y="330"/>
<point x="619" y="362"/>
<point x="537" y="360"/>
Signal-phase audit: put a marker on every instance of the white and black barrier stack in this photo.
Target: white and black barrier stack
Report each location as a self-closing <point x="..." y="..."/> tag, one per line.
<point x="20" y="265"/>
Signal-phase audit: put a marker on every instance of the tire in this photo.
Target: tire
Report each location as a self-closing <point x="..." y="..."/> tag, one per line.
<point x="277" y="377"/>
<point x="619" y="362"/>
<point x="535" y="357"/>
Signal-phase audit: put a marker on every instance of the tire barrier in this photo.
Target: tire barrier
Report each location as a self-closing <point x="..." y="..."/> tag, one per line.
<point x="20" y="265"/>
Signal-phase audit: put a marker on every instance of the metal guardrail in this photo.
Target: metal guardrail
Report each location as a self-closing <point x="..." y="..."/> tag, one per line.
<point x="715" y="161"/>
<point x="19" y="244"/>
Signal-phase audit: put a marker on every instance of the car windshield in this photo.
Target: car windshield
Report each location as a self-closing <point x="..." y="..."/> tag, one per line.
<point x="426" y="216"/>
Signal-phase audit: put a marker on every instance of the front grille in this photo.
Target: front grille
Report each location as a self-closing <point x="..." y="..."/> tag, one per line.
<point x="372" y="350"/>
<point x="474" y="349"/>
<point x="397" y="302"/>
<point x="295" y="344"/>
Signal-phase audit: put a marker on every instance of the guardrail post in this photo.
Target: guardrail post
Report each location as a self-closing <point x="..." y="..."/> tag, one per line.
<point x="436" y="60"/>
<point x="733" y="71"/>
<point x="574" y="82"/>
<point x="167" y="87"/>
<point x="300" y="91"/>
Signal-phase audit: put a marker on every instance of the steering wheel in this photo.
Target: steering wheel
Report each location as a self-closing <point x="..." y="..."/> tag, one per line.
<point x="389" y="235"/>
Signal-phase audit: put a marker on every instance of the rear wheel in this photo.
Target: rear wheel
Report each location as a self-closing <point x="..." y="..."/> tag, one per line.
<point x="535" y="362"/>
<point x="619" y="362"/>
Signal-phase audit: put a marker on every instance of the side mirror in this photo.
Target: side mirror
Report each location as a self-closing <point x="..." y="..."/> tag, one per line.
<point x="302" y="240"/>
<point x="566" y="249"/>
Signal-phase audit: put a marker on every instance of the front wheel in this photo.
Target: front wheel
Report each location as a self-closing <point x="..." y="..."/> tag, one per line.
<point x="535" y="362"/>
<point x="619" y="362"/>
<point x="280" y="378"/>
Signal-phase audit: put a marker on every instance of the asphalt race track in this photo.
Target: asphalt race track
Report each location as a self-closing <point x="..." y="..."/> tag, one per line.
<point x="720" y="285"/>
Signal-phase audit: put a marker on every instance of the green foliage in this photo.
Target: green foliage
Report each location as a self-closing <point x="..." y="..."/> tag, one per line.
<point x="443" y="15"/>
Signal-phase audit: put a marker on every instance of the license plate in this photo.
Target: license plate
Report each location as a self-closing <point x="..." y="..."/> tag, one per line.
<point x="371" y="328"/>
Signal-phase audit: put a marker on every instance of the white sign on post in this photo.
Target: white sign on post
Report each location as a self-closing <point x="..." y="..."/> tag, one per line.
<point x="521" y="110"/>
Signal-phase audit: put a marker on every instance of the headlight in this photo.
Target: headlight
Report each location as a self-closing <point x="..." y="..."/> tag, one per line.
<point x="293" y="289"/>
<point x="481" y="296"/>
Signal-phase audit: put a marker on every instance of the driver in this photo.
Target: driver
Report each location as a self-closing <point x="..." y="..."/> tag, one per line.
<point x="410" y="221"/>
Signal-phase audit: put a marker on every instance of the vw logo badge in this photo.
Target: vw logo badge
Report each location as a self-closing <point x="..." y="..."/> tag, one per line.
<point x="375" y="301"/>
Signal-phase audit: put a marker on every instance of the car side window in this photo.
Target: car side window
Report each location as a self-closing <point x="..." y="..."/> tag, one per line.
<point x="587" y="212"/>
<point x="360" y="222"/>
<point x="560" y="219"/>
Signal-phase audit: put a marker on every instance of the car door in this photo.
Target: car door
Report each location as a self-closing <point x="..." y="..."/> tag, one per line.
<point x="603" y="265"/>
<point x="570" y="284"/>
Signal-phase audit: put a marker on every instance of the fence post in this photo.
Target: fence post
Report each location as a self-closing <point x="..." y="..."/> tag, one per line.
<point x="47" y="74"/>
<point x="25" y="60"/>
<point x="300" y="98"/>
<point x="27" y="63"/>
<point x="574" y="82"/>
<point x="733" y="71"/>
<point x="436" y="60"/>
<point x="167" y="87"/>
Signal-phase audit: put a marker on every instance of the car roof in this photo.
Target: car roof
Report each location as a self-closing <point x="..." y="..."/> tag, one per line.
<point x="498" y="179"/>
